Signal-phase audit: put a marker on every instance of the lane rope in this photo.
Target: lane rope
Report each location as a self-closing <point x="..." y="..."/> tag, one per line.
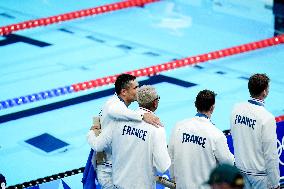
<point x="279" y="118"/>
<point x="5" y="30"/>
<point x="148" y="71"/>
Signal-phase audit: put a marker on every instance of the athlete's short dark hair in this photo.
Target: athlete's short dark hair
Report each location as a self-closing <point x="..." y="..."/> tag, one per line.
<point x="204" y="100"/>
<point x="122" y="82"/>
<point x="257" y="84"/>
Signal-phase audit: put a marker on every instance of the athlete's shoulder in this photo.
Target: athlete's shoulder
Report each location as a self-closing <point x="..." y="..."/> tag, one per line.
<point x="218" y="132"/>
<point x="266" y="115"/>
<point x="112" y="102"/>
<point x="184" y="122"/>
<point x="213" y="131"/>
<point x="240" y="105"/>
<point x="158" y="130"/>
<point x="181" y="125"/>
<point x="112" y="99"/>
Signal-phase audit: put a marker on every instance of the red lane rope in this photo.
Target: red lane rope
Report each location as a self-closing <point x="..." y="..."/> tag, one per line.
<point x="279" y="118"/>
<point x="5" y="30"/>
<point x="183" y="62"/>
<point x="148" y="71"/>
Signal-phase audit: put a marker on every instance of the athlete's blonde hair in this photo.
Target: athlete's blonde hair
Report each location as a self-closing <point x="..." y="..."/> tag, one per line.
<point x="146" y="94"/>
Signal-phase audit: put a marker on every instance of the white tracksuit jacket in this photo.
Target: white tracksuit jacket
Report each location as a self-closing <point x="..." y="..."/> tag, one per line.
<point x="253" y="130"/>
<point x="196" y="146"/>
<point x="138" y="150"/>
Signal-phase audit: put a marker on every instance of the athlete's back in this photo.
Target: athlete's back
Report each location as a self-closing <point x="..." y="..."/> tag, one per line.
<point x="249" y="123"/>
<point x="138" y="148"/>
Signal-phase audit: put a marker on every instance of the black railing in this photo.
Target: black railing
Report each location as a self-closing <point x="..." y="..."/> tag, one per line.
<point x="47" y="179"/>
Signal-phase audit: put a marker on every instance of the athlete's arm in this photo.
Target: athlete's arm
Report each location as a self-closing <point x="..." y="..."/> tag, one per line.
<point x="171" y="153"/>
<point x="269" y="142"/>
<point x="222" y="152"/>
<point x="161" y="156"/>
<point x="99" y="143"/>
<point x="121" y="112"/>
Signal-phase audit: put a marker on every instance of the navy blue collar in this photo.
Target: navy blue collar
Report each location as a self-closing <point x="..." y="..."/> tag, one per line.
<point x="202" y="115"/>
<point x="146" y="110"/>
<point x="256" y="102"/>
<point x="205" y="116"/>
<point x="121" y="100"/>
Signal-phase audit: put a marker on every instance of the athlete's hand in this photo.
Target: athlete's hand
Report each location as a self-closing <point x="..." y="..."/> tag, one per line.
<point x="96" y="127"/>
<point x="152" y="119"/>
<point x="96" y="123"/>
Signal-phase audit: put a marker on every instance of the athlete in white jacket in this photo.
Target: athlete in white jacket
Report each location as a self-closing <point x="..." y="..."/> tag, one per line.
<point x="115" y="110"/>
<point x="137" y="147"/>
<point x="196" y="146"/>
<point x="253" y="130"/>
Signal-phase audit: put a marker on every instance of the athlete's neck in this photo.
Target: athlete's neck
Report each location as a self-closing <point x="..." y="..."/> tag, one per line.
<point x="152" y="109"/>
<point x="208" y="114"/>
<point x="126" y="102"/>
<point x="261" y="98"/>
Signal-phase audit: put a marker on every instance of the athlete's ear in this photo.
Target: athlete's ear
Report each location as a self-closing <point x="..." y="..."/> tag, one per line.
<point x="212" y="108"/>
<point x="265" y="93"/>
<point x="156" y="103"/>
<point x="123" y="92"/>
